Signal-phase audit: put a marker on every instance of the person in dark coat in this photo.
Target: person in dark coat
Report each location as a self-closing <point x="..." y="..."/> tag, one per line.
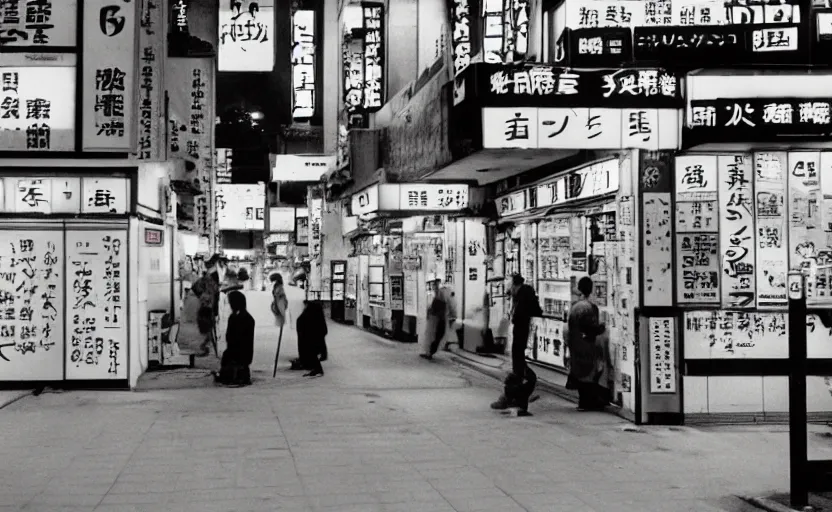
<point x="586" y="358"/>
<point x="312" y="333"/>
<point x="237" y="357"/>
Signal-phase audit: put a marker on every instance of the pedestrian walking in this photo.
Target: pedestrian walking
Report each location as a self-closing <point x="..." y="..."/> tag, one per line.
<point x="436" y="324"/>
<point x="312" y="331"/>
<point x="236" y="359"/>
<point x="520" y="383"/>
<point x="207" y="288"/>
<point x="585" y="355"/>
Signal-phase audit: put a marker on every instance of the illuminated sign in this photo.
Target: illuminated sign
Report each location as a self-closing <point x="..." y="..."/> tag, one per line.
<point x="302" y="167"/>
<point x="373" y="57"/>
<point x="246" y="35"/>
<point x="240" y="207"/>
<point x="303" y="64"/>
<point x="37" y="108"/>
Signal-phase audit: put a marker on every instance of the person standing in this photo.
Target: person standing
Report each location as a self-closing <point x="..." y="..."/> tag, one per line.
<point x="207" y="288"/>
<point x="520" y="384"/>
<point x="585" y="358"/>
<point x="236" y="359"/>
<point x="436" y="323"/>
<point x="312" y="331"/>
<point x="280" y="303"/>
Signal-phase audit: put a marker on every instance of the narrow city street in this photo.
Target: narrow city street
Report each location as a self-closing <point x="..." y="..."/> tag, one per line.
<point x="383" y="430"/>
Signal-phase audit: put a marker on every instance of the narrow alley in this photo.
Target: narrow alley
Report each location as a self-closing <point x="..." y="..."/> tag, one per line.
<point x="383" y="430"/>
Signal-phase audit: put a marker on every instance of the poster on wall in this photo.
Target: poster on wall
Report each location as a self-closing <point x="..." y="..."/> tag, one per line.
<point x="397" y="293"/>
<point x="735" y="335"/>
<point x="662" y="336"/>
<point x="736" y="228"/>
<point x="246" y="35"/>
<point x="35" y="115"/>
<point x="770" y="172"/>
<point x="152" y="34"/>
<point x="549" y="345"/>
<point x="555" y="297"/>
<point x="554" y="249"/>
<point x="411" y="290"/>
<point x="31" y="297"/>
<point x="97" y="298"/>
<point x="656" y="205"/>
<point x="809" y="250"/>
<point x="697" y="251"/>
<point x="108" y="79"/>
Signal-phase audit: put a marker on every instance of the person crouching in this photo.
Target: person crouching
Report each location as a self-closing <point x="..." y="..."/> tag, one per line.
<point x="237" y="357"/>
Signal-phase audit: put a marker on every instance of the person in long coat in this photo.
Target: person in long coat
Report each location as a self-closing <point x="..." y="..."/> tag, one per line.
<point x="585" y="355"/>
<point x="312" y="331"/>
<point x="436" y="324"/>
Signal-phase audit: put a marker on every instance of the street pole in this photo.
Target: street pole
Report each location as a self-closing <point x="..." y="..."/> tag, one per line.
<point x="798" y="432"/>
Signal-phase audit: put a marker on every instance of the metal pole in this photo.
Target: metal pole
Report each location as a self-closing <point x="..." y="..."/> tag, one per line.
<point x="798" y="433"/>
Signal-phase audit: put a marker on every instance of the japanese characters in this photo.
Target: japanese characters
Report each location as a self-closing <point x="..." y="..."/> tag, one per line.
<point x="246" y="38"/>
<point x="461" y="39"/>
<point x="662" y="333"/>
<point x="31" y="306"/>
<point x="737" y="228"/>
<point x="758" y="119"/>
<point x="96" y="319"/>
<point x="151" y="45"/>
<point x="373" y="57"/>
<point x="303" y="64"/>
<point x="39" y="23"/>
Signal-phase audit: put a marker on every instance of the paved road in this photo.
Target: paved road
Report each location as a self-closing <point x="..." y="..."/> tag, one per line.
<point x="383" y="430"/>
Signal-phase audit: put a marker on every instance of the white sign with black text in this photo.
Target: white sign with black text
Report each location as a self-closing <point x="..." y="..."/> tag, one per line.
<point x="302" y="167"/>
<point x="415" y="196"/>
<point x="246" y="35"/>
<point x="303" y="64"/>
<point x="365" y="201"/>
<point x="580" y="128"/>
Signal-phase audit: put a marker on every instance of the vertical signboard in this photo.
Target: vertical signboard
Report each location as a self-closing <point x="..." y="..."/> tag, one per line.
<point x="461" y="34"/>
<point x="303" y="64"/>
<point x="315" y="217"/>
<point x="96" y="263"/>
<point x="31" y="299"/>
<point x="246" y="35"/>
<point x="736" y="229"/>
<point x="697" y="238"/>
<point x="152" y="34"/>
<point x="770" y="171"/>
<point x="656" y="228"/>
<point x="373" y="56"/>
<point x="108" y="77"/>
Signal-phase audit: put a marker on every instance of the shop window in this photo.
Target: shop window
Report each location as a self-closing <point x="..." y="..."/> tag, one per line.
<point x="376" y="282"/>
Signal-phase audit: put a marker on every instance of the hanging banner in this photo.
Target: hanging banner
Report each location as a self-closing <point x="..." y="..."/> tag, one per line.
<point x="736" y="230"/>
<point x="697" y="250"/>
<point x="152" y="34"/>
<point x="108" y="78"/>
<point x="31" y="299"/>
<point x="662" y="335"/>
<point x="770" y="171"/>
<point x="315" y="218"/>
<point x="190" y="86"/>
<point x="656" y="211"/>
<point x="303" y="64"/>
<point x="246" y="35"/>
<point x="373" y="56"/>
<point x="96" y="262"/>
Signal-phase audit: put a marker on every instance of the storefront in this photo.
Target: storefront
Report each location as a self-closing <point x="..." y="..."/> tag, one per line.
<point x="68" y="267"/>
<point x="749" y="201"/>
<point x="575" y="224"/>
<point x="399" y="246"/>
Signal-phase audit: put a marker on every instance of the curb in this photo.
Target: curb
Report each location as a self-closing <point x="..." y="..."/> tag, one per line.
<point x="498" y="375"/>
<point x="769" y="505"/>
<point x="21" y="395"/>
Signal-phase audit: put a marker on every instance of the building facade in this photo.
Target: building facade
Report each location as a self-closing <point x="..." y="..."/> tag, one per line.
<point x="106" y="174"/>
<point x="659" y="148"/>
